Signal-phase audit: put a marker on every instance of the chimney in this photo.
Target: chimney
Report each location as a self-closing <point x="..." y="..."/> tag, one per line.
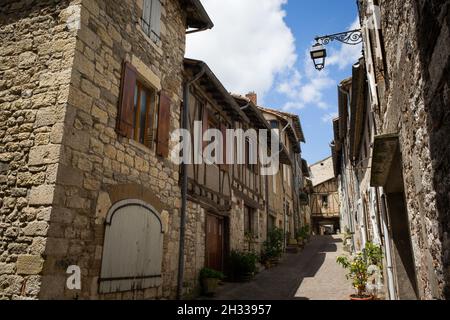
<point x="253" y="97"/>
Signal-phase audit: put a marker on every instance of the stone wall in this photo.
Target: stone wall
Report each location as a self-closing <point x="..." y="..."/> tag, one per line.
<point x="415" y="105"/>
<point x="62" y="163"/>
<point x="195" y="247"/>
<point x="37" y="48"/>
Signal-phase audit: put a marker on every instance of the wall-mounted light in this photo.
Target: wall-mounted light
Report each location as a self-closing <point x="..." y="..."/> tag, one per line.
<point x="318" y="51"/>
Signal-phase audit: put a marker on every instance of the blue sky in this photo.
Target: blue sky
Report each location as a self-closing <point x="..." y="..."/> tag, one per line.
<point x="263" y="45"/>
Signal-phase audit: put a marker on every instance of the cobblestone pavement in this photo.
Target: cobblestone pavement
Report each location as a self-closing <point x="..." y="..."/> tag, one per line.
<point x="311" y="275"/>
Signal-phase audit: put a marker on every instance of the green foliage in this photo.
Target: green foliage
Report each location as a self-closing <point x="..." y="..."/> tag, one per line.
<point x="358" y="266"/>
<point x="207" y="273"/>
<point x="242" y="265"/>
<point x="374" y="255"/>
<point x="303" y="232"/>
<point x="273" y="246"/>
<point x="357" y="271"/>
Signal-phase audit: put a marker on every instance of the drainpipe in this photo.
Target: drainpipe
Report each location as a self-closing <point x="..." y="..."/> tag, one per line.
<point x="390" y="273"/>
<point x="184" y="187"/>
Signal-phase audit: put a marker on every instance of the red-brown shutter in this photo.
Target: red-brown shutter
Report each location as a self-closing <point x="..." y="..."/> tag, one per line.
<point x="126" y="101"/>
<point x="223" y="128"/>
<point x="162" y="147"/>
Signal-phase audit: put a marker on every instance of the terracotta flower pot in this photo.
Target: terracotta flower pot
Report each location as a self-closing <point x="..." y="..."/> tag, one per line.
<point x="355" y="297"/>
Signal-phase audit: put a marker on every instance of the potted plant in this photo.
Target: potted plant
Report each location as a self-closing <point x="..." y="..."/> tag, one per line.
<point x="242" y="266"/>
<point x="358" y="272"/>
<point x="273" y="248"/>
<point x="210" y="280"/>
<point x="302" y="235"/>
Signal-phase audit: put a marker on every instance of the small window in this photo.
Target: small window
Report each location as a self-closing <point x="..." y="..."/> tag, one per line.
<point x="325" y="201"/>
<point x="249" y="220"/>
<point x="250" y="159"/>
<point x="272" y="223"/>
<point x="145" y="115"/>
<point x="151" y="19"/>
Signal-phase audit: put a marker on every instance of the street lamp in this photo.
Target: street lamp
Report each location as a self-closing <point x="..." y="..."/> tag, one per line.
<point x="318" y="54"/>
<point x="318" y="51"/>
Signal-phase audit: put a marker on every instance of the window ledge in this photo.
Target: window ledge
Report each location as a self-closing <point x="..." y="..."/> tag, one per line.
<point x="156" y="46"/>
<point x="141" y="147"/>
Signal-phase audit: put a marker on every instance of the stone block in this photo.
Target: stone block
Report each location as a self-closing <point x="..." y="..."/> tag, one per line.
<point x="7" y="268"/>
<point x="42" y="195"/>
<point x="41" y="155"/>
<point x="69" y="176"/>
<point x="36" y="228"/>
<point x="29" y="265"/>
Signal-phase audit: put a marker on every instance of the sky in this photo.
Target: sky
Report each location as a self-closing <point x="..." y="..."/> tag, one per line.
<point x="263" y="46"/>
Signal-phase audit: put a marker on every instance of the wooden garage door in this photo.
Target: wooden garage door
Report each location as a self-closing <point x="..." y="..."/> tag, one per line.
<point x="133" y="248"/>
<point x="214" y="242"/>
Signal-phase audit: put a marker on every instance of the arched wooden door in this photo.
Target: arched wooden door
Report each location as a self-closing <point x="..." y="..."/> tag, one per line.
<point x="215" y="242"/>
<point x="133" y="248"/>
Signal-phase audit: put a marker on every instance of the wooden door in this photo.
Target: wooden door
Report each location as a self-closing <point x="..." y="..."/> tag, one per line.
<point x="214" y="242"/>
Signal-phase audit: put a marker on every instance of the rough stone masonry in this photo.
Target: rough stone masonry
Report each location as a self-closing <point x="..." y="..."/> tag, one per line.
<point x="415" y="104"/>
<point x="62" y="163"/>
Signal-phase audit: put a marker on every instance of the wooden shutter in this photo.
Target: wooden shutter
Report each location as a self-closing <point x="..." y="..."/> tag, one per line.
<point x="155" y="19"/>
<point x="126" y="101"/>
<point x="146" y="15"/>
<point x="162" y="148"/>
<point x="223" y="129"/>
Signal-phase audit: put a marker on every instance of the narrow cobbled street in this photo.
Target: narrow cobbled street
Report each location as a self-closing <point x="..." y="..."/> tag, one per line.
<point x="310" y="275"/>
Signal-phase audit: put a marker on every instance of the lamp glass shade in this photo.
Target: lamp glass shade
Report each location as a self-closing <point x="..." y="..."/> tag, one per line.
<point x="318" y="54"/>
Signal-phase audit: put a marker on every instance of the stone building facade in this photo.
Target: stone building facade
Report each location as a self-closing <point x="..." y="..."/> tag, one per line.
<point x="407" y="57"/>
<point x="413" y="78"/>
<point x="63" y="162"/>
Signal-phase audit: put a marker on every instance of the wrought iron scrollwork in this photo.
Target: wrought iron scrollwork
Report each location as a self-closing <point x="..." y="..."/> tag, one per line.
<point x="352" y="37"/>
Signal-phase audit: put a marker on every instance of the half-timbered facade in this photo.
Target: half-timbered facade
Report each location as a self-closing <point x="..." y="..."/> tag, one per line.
<point x="212" y="213"/>
<point x="284" y="205"/>
<point x="325" y="203"/>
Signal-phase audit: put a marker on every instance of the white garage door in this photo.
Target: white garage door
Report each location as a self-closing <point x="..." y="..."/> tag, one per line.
<point x="133" y="247"/>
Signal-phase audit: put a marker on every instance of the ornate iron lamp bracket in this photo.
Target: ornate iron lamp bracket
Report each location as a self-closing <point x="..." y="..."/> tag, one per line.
<point x="352" y="37"/>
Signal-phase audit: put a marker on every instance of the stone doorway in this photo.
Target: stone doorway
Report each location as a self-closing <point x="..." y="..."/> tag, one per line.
<point x="404" y="264"/>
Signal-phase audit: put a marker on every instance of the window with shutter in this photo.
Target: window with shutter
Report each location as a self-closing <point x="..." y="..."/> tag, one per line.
<point x="133" y="248"/>
<point x="151" y="19"/>
<point x="138" y="109"/>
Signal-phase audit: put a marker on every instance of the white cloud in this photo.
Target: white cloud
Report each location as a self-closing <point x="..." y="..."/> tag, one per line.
<point x="248" y="47"/>
<point x="307" y="89"/>
<point x="347" y="55"/>
<point x="329" y="117"/>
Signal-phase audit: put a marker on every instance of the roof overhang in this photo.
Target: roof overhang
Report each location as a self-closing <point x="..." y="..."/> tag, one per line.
<point x="305" y="169"/>
<point x="215" y="89"/>
<point x="288" y="121"/>
<point x="197" y="17"/>
<point x="343" y="94"/>
<point x="384" y="151"/>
